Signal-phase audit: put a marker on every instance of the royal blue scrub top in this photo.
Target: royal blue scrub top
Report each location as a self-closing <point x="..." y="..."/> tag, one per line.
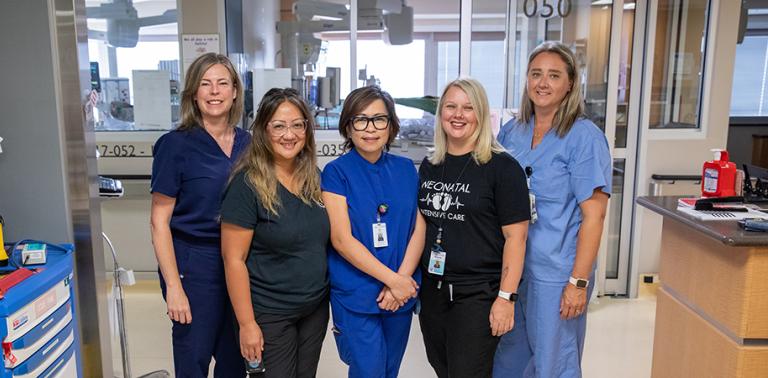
<point x="190" y="166"/>
<point x="393" y="181"/>
<point x="566" y="171"/>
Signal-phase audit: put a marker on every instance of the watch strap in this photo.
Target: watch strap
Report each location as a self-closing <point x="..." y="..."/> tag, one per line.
<point x="512" y="297"/>
<point x="579" y="282"/>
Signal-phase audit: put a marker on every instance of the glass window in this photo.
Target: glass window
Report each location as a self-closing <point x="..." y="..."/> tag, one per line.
<point x="585" y="26"/>
<point x="126" y="39"/>
<point x="487" y="63"/>
<point x="678" y="66"/>
<point x="625" y="73"/>
<point x="750" y="74"/>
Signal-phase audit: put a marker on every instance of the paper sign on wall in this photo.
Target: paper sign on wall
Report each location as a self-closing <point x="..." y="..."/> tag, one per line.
<point x="194" y="45"/>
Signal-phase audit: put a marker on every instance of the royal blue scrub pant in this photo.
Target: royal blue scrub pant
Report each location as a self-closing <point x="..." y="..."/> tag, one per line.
<point x="541" y="344"/>
<point x="212" y="330"/>
<point x="372" y="345"/>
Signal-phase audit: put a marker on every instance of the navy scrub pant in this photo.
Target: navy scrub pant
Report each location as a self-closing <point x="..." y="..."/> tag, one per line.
<point x="212" y="330"/>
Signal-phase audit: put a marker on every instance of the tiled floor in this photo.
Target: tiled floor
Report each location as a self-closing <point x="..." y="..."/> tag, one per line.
<point x="619" y="338"/>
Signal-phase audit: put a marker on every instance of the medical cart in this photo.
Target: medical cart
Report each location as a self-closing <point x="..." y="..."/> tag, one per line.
<point x="38" y="327"/>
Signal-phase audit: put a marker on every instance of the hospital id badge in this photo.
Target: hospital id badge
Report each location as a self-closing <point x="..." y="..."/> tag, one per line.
<point x="380" y="235"/>
<point x="534" y="213"/>
<point x="436" y="260"/>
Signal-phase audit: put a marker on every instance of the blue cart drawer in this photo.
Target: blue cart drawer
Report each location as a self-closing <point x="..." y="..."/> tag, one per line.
<point x="18" y="351"/>
<point x="64" y="366"/>
<point x="36" y="311"/>
<point x="46" y="355"/>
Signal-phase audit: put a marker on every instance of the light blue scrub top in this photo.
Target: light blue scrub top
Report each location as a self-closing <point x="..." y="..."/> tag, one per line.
<point x="393" y="181"/>
<point x="565" y="173"/>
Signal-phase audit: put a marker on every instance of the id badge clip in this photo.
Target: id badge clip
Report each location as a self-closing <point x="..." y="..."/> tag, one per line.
<point x="380" y="229"/>
<point x="436" y="260"/>
<point x="531" y="196"/>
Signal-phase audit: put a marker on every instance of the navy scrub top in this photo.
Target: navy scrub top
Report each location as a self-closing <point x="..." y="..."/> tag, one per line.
<point x="393" y="181"/>
<point x="190" y="166"/>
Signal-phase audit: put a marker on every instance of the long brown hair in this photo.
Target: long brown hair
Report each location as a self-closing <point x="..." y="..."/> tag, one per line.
<point x="572" y="106"/>
<point x="258" y="160"/>
<point x="190" y="112"/>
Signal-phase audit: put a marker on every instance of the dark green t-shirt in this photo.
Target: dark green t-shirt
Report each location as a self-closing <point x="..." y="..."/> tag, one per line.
<point x="287" y="261"/>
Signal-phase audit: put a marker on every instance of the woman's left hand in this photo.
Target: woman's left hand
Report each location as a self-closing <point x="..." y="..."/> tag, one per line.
<point x="386" y="300"/>
<point x="502" y="316"/>
<point x="573" y="303"/>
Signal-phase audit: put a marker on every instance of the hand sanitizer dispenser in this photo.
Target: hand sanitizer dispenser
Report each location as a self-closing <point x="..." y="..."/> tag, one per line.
<point x="718" y="176"/>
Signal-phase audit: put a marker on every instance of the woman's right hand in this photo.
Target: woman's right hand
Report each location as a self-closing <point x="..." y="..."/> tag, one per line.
<point x="178" y="305"/>
<point x="251" y="342"/>
<point x="403" y="288"/>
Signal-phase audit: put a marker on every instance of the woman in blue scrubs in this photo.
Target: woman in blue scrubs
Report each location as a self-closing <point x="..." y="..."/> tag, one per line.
<point x="190" y="169"/>
<point x="568" y="162"/>
<point x="370" y="196"/>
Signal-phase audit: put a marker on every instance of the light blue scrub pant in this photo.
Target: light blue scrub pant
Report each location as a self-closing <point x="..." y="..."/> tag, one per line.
<point x="541" y="344"/>
<point x="372" y="345"/>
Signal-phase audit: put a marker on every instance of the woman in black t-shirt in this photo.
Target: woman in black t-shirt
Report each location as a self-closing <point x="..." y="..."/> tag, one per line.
<point x="477" y="219"/>
<point x="274" y="233"/>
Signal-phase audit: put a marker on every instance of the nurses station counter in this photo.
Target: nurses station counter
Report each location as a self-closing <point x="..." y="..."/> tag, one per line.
<point x="712" y="306"/>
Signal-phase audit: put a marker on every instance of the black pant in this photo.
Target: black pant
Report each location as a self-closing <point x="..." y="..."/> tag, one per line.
<point x="292" y="343"/>
<point x="456" y="329"/>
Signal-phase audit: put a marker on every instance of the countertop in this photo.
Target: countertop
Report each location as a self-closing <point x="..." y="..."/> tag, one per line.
<point x="727" y="232"/>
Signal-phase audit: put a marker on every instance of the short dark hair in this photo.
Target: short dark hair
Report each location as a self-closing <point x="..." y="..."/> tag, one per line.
<point x="358" y="100"/>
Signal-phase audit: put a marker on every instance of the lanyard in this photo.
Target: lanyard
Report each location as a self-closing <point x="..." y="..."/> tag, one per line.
<point x="439" y="238"/>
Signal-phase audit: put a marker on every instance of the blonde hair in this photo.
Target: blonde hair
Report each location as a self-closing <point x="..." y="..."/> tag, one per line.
<point x="190" y="112"/>
<point x="572" y="106"/>
<point x="482" y="137"/>
<point x="258" y="160"/>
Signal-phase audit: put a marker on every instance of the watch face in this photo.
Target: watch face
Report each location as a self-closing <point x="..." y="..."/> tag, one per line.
<point x="581" y="283"/>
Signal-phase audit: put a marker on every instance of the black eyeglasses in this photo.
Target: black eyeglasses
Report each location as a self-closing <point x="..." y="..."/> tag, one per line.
<point x="297" y="126"/>
<point x="360" y="123"/>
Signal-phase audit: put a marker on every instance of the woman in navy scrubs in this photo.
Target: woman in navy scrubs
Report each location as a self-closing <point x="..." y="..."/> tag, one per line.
<point x="370" y="196"/>
<point x="569" y="166"/>
<point x="274" y="239"/>
<point x="190" y="168"/>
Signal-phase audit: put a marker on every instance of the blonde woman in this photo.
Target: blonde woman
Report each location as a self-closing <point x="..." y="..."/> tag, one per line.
<point x="474" y="199"/>
<point x="274" y="235"/>
<point x="567" y="159"/>
<point x="189" y="171"/>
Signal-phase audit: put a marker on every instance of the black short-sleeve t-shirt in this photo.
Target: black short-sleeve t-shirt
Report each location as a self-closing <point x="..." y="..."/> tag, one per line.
<point x="471" y="203"/>
<point x="287" y="262"/>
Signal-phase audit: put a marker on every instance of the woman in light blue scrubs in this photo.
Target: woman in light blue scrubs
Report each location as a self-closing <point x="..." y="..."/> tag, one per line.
<point x="370" y="196"/>
<point x="568" y="162"/>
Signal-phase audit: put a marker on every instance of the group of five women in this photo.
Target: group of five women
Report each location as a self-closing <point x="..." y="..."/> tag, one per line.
<point x="492" y="242"/>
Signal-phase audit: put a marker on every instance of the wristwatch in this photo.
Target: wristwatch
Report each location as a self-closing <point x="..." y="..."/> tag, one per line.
<point x="512" y="297"/>
<point x="578" y="282"/>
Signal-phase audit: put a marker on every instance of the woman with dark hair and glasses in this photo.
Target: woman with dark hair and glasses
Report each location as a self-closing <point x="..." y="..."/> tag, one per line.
<point x="370" y="196"/>
<point x="274" y="232"/>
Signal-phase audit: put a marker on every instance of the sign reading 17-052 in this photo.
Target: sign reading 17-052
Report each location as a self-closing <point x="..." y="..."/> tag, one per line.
<point x="547" y="8"/>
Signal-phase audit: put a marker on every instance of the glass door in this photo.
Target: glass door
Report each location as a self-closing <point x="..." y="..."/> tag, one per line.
<point x="604" y="57"/>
